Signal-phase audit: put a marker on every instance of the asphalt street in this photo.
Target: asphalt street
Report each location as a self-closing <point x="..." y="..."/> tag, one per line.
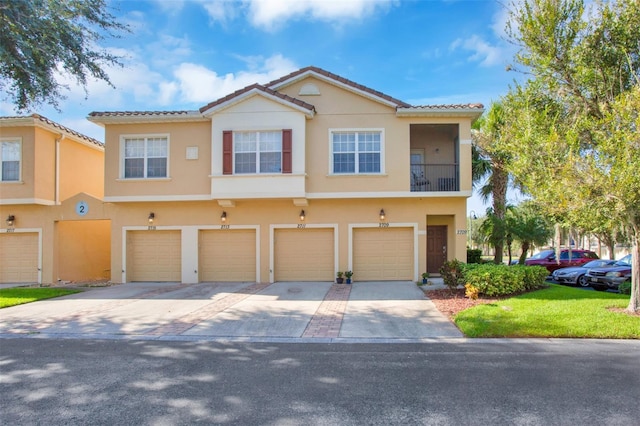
<point x="444" y="382"/>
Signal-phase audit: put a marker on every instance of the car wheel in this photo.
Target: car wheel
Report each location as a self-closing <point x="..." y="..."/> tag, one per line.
<point x="599" y="287"/>
<point x="582" y="280"/>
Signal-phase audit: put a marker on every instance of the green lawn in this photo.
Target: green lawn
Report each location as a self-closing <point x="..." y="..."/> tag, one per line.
<point x="20" y="295"/>
<point x="557" y="311"/>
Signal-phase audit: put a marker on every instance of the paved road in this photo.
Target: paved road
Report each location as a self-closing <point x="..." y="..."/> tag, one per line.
<point x="449" y="382"/>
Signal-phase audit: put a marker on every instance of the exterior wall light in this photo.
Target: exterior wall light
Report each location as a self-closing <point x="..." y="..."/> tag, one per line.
<point x="302" y="215"/>
<point x="382" y="214"/>
<point x="10" y="220"/>
<point x="152" y="216"/>
<point x="223" y="217"/>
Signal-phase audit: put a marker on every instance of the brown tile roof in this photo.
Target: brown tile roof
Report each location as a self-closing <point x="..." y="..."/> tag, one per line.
<point x="262" y="88"/>
<point x="342" y="80"/>
<point x="137" y="113"/>
<point x="51" y="123"/>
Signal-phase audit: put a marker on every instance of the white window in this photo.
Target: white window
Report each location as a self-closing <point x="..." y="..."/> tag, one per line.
<point x="10" y="155"/>
<point x="145" y="157"/>
<point x="257" y="152"/>
<point x="357" y="151"/>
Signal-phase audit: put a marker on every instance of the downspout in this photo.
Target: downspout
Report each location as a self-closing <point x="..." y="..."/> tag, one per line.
<point x="57" y="170"/>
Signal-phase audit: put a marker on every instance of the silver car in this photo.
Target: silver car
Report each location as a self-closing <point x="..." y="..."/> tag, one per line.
<point x="575" y="275"/>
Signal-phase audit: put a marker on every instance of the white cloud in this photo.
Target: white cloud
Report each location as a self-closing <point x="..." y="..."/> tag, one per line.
<point x="197" y="83"/>
<point x="270" y="15"/>
<point x="482" y="52"/>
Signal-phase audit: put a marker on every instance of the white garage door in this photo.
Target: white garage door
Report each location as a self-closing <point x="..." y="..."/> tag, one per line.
<point x="19" y="258"/>
<point x="228" y="255"/>
<point x="381" y="254"/>
<point x="304" y="255"/>
<point x="154" y="256"/>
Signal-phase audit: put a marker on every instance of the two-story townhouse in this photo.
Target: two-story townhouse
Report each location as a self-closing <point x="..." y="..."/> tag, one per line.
<point x="293" y="180"/>
<point x="53" y="222"/>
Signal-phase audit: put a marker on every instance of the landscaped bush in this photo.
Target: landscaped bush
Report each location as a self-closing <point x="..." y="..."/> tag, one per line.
<point x="501" y="280"/>
<point x="625" y="287"/>
<point x="452" y="273"/>
<point x="474" y="256"/>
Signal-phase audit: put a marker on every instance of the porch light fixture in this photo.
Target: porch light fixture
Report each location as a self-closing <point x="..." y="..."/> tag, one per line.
<point x="10" y="220"/>
<point x="382" y="214"/>
<point x="152" y="216"/>
<point x="302" y="215"/>
<point x="223" y="217"/>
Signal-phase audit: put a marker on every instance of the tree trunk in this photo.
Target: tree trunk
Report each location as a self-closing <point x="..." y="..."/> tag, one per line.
<point x="634" y="301"/>
<point x="499" y="180"/>
<point x="525" y="249"/>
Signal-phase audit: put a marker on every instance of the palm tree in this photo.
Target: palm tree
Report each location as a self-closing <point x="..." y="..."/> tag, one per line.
<point x="528" y="226"/>
<point x="489" y="169"/>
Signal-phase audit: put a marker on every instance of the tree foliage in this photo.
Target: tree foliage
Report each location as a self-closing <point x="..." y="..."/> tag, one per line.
<point x="573" y="126"/>
<point x="40" y="39"/>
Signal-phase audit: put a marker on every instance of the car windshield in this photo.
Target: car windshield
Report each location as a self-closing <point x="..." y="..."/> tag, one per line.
<point x="542" y="255"/>
<point x="597" y="263"/>
<point x="625" y="261"/>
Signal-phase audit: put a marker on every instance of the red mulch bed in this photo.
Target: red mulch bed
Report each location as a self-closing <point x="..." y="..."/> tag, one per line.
<point x="451" y="302"/>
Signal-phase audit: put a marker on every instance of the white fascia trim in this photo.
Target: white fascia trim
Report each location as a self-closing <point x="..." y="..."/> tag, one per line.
<point x="191" y="116"/>
<point x="397" y="194"/>
<point x="413" y="225"/>
<point x="256" y="92"/>
<point x="147" y="198"/>
<point x="439" y="112"/>
<point x="335" y="83"/>
<point x="273" y="227"/>
<point x="40" y="201"/>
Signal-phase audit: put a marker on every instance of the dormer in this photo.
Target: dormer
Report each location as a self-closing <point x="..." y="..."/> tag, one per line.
<point x="258" y="144"/>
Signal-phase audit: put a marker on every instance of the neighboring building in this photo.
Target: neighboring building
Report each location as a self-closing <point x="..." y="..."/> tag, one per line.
<point x="293" y="180"/>
<point x="53" y="224"/>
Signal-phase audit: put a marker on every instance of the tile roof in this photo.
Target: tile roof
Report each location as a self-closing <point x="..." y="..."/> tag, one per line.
<point x="342" y="80"/>
<point x="52" y="124"/>
<point x="137" y="113"/>
<point x="262" y="88"/>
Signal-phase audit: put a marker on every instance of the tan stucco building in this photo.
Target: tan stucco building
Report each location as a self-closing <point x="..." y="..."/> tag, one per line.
<point x="296" y="179"/>
<point x="53" y="223"/>
<point x="293" y="180"/>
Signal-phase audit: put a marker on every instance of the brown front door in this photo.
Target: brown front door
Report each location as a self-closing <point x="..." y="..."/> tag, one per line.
<point x="436" y="248"/>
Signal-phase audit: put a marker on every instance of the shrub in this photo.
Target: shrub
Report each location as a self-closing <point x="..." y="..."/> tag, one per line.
<point x="625" y="287"/>
<point x="501" y="280"/>
<point x="471" y="292"/>
<point x="452" y="274"/>
<point x="474" y="256"/>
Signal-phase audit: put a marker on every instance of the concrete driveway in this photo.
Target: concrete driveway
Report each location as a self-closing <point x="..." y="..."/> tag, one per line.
<point x="286" y="311"/>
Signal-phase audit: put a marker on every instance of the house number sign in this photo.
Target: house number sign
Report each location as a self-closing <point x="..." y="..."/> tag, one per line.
<point x="82" y="208"/>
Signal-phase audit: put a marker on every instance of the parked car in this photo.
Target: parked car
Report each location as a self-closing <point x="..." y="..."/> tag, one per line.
<point x="576" y="275"/>
<point x="610" y="277"/>
<point x="547" y="258"/>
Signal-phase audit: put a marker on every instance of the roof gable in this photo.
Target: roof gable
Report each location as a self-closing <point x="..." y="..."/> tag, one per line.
<point x="41" y="121"/>
<point x="253" y="90"/>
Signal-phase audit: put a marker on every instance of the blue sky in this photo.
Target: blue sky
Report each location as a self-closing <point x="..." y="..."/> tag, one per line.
<point x="183" y="54"/>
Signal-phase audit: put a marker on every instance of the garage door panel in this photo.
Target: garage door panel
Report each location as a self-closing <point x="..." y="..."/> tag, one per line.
<point x="304" y="255"/>
<point x="154" y="256"/>
<point x="383" y="254"/>
<point x="19" y="257"/>
<point x="228" y="255"/>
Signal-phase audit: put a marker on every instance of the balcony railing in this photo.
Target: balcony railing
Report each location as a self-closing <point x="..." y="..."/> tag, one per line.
<point x="435" y="177"/>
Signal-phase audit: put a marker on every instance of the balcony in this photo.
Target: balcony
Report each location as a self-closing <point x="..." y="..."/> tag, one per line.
<point x="435" y="178"/>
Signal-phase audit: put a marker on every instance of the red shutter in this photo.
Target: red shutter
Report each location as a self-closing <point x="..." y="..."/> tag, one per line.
<point x="227" y="152"/>
<point x="286" y="151"/>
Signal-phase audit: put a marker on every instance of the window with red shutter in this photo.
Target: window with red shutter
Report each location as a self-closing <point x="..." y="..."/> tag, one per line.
<point x="227" y="152"/>
<point x="286" y="151"/>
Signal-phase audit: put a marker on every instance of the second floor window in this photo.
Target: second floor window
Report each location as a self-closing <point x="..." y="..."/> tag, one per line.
<point x="145" y="157"/>
<point x="356" y="151"/>
<point x="257" y="152"/>
<point x="10" y="161"/>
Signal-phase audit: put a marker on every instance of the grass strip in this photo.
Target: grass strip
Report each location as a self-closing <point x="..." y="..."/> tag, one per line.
<point x="21" y="295"/>
<point x="557" y="311"/>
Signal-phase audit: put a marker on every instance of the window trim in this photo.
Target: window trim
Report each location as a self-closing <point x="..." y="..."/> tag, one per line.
<point x="357" y="130"/>
<point x="123" y="138"/>
<point x="19" y="141"/>
<point x="285" y="151"/>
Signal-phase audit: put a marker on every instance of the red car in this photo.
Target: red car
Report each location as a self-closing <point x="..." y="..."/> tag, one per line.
<point x="547" y="258"/>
